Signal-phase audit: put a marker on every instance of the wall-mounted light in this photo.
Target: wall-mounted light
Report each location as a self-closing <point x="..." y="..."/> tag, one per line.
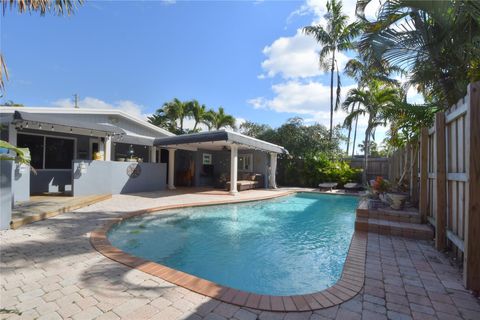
<point x="83" y="167"/>
<point x="22" y="168"/>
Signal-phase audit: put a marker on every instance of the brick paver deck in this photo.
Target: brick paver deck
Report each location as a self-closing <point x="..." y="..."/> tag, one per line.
<point x="49" y="270"/>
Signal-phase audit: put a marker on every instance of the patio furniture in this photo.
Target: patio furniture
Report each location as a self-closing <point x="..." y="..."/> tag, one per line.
<point x="248" y="181"/>
<point x="352" y="187"/>
<point x="327" y="185"/>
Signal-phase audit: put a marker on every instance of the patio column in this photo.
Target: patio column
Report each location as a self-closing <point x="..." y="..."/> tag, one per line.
<point x="273" y="170"/>
<point x="108" y="148"/>
<point x="171" y="169"/>
<point x="233" y="169"/>
<point x="153" y="154"/>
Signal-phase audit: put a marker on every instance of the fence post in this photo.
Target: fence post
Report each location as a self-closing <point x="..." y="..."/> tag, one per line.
<point x="471" y="264"/>
<point x="414" y="174"/>
<point x="440" y="219"/>
<point x="423" y="206"/>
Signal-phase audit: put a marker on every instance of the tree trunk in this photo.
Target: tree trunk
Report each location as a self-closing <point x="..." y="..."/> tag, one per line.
<point x="365" y="157"/>
<point x="355" y="134"/>
<point x="350" y="131"/>
<point x="331" y="95"/>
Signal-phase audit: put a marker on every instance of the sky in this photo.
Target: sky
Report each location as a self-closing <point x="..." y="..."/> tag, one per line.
<point x="250" y="57"/>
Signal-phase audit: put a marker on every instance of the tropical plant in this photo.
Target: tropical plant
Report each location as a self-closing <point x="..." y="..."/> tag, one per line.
<point x="437" y="42"/>
<point x="253" y="129"/>
<point x="197" y="112"/>
<point x="337" y="36"/>
<point x="219" y="119"/>
<point x="372" y="101"/>
<point x="10" y="103"/>
<point x="58" y="7"/>
<point x="363" y="71"/>
<point x="22" y="155"/>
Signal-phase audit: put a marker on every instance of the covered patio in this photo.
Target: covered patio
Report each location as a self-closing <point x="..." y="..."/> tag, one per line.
<point x="219" y="156"/>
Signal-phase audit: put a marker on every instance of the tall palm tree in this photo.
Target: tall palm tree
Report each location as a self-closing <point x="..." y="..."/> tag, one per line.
<point x="177" y="110"/>
<point x="197" y="112"/>
<point x="336" y="37"/>
<point x="57" y="7"/>
<point x="372" y="100"/>
<point x="435" y="41"/>
<point x="364" y="71"/>
<point x="219" y="119"/>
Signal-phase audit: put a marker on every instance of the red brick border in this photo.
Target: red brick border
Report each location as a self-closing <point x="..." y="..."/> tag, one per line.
<point x="349" y="285"/>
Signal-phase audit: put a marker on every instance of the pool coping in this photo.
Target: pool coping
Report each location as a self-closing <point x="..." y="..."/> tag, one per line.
<point x="348" y="286"/>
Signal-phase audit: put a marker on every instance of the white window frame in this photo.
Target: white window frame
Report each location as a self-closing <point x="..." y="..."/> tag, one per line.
<point x="45" y="144"/>
<point x="206" y="156"/>
<point x="248" y="156"/>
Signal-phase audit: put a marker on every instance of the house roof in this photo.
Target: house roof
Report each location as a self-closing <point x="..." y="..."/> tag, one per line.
<point x="59" y="111"/>
<point x="57" y="119"/>
<point x="217" y="140"/>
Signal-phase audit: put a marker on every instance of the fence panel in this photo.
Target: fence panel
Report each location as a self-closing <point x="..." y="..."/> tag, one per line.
<point x="449" y="187"/>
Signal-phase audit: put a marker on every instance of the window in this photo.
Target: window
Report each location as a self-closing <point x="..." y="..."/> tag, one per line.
<point x="35" y="145"/>
<point x="245" y="162"/>
<point x="207" y="158"/>
<point x="48" y="152"/>
<point x="58" y="153"/>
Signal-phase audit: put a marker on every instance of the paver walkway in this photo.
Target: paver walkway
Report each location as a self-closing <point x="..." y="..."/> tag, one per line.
<point x="49" y="270"/>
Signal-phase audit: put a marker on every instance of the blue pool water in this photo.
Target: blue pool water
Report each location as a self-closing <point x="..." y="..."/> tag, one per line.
<point x="291" y="245"/>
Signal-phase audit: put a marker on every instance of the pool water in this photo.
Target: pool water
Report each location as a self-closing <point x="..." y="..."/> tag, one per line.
<point x="285" y="246"/>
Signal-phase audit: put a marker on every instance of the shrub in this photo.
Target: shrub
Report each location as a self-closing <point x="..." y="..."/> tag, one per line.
<point x="312" y="170"/>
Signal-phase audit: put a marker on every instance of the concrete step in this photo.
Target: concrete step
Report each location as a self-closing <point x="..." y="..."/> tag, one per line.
<point x="394" y="228"/>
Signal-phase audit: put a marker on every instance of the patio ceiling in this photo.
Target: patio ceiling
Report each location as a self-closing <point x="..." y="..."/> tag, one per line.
<point x="217" y="140"/>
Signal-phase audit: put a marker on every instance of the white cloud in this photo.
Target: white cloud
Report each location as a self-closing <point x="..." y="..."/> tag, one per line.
<point x="311" y="99"/>
<point x="127" y="106"/>
<point x="295" y="57"/>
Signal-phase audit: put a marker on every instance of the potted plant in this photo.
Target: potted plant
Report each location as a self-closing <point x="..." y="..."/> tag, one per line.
<point x="397" y="196"/>
<point x="379" y="187"/>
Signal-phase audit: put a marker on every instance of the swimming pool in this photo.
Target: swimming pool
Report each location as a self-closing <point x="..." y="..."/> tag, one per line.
<point x="285" y="246"/>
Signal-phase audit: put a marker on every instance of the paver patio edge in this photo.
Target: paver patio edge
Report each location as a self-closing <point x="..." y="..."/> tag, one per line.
<point x="347" y="287"/>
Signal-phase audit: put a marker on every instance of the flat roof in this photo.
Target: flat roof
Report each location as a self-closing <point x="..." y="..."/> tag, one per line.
<point x="217" y="139"/>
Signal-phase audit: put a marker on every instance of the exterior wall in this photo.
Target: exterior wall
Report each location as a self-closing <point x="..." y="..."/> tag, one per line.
<point x="21" y="183"/>
<point x="111" y="177"/>
<point x="5" y="194"/>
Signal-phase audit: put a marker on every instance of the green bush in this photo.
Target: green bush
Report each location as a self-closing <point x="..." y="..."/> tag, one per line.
<point x="312" y="170"/>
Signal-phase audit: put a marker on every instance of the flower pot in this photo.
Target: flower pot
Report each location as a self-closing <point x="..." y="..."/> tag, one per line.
<point x="397" y="200"/>
<point x="384" y="198"/>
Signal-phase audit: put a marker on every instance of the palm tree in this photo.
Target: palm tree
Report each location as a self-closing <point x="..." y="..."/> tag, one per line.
<point x="57" y="7"/>
<point x="218" y="120"/>
<point x="436" y="41"/>
<point x="178" y="111"/>
<point x="336" y="37"/>
<point x="371" y="100"/>
<point x="197" y="112"/>
<point x="364" y="71"/>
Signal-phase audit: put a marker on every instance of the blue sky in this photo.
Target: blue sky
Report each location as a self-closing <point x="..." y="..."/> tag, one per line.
<point x="249" y="57"/>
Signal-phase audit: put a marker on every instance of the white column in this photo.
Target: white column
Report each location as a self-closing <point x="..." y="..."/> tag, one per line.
<point x="12" y="134"/>
<point x="171" y="169"/>
<point x="108" y="148"/>
<point x="273" y="170"/>
<point x="153" y="154"/>
<point x="233" y="169"/>
<point x="101" y="149"/>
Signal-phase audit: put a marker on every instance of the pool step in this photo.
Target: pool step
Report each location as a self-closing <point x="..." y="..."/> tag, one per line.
<point x="404" y="223"/>
<point x="409" y="215"/>
<point x="395" y="228"/>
